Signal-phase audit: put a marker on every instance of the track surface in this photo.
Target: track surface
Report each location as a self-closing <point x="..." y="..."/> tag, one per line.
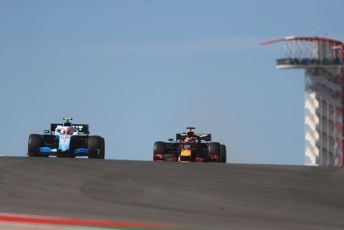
<point x="197" y="196"/>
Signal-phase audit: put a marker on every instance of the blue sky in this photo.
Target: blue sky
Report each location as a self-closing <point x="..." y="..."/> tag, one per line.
<point x="140" y="71"/>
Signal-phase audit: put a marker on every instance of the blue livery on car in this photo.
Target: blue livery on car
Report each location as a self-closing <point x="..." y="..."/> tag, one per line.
<point x="66" y="140"/>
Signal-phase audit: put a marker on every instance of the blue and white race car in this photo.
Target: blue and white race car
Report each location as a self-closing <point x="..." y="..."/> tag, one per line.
<point x="66" y="140"/>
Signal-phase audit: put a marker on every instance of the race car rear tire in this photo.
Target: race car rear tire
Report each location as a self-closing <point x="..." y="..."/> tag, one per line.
<point x="95" y="149"/>
<point x="159" y="147"/>
<point x="214" y="148"/>
<point x="34" y="143"/>
<point x="223" y="154"/>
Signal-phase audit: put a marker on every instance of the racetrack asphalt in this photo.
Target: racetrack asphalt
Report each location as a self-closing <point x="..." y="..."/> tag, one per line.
<point x="191" y="196"/>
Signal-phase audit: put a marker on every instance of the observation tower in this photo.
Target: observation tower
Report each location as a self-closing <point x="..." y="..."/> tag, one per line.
<point x="323" y="62"/>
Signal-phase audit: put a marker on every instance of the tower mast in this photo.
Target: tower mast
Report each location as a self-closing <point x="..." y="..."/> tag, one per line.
<point x="323" y="62"/>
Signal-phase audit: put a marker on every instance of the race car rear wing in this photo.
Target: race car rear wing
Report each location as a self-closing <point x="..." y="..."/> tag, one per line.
<point x="203" y="137"/>
<point x="83" y="128"/>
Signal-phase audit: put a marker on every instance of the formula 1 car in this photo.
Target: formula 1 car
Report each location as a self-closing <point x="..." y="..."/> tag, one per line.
<point x="190" y="147"/>
<point x="66" y="140"/>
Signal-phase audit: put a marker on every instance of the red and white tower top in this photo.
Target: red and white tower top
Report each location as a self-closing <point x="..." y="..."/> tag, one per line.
<point x="306" y="52"/>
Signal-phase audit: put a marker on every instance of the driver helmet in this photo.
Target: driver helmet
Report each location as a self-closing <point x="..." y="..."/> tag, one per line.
<point x="190" y="134"/>
<point x="67" y="123"/>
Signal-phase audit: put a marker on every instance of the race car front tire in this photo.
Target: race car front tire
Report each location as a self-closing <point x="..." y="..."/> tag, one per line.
<point x="95" y="147"/>
<point x="102" y="148"/>
<point x="214" y="148"/>
<point x="34" y="143"/>
<point x="159" y="148"/>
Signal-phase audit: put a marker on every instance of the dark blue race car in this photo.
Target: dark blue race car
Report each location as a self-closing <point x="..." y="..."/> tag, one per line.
<point x="66" y="140"/>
